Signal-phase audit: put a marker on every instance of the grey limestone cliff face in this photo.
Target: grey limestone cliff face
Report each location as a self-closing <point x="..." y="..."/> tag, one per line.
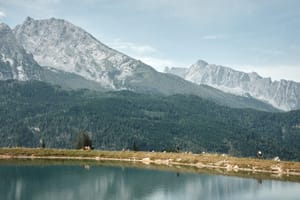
<point x="64" y="46"/>
<point x="282" y="94"/>
<point x="15" y="63"/>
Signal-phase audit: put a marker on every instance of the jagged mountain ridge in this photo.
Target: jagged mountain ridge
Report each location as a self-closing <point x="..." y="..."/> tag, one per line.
<point x="64" y="46"/>
<point x="74" y="57"/>
<point x="16" y="63"/>
<point x="283" y="94"/>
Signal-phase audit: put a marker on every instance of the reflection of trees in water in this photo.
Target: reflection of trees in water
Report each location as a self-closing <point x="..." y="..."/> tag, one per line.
<point x="73" y="182"/>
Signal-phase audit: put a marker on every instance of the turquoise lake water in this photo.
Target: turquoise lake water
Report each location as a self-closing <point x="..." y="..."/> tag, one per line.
<point x="73" y="182"/>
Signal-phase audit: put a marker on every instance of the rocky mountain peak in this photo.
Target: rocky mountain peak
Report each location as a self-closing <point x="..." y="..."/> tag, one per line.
<point x="29" y="19"/>
<point x="201" y="63"/>
<point x="4" y="28"/>
<point x="283" y="94"/>
<point x="62" y="45"/>
<point x="8" y="43"/>
<point x="15" y="63"/>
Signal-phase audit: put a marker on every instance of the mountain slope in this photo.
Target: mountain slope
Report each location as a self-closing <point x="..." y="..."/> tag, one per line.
<point x="63" y="46"/>
<point x="15" y="63"/>
<point x="115" y="120"/>
<point x="284" y="95"/>
<point x="60" y="44"/>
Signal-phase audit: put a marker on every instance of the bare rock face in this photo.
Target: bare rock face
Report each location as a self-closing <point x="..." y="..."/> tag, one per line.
<point x="283" y="94"/>
<point x="15" y="63"/>
<point x="64" y="46"/>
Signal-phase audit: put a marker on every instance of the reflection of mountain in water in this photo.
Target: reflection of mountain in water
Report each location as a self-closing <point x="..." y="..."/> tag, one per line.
<point x="74" y="182"/>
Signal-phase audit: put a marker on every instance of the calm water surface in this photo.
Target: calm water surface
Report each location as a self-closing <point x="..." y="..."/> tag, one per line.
<point x="107" y="183"/>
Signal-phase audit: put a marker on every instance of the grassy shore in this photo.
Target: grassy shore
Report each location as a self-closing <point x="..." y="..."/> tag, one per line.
<point x="218" y="162"/>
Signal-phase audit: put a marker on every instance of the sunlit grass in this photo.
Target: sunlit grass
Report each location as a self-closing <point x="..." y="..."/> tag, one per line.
<point x="206" y="160"/>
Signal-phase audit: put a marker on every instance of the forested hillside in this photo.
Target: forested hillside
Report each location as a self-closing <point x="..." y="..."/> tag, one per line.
<point x="30" y="111"/>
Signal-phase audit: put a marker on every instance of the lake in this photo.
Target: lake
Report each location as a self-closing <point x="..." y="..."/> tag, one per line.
<point x="72" y="182"/>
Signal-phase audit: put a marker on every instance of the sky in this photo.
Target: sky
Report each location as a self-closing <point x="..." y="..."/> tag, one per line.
<point x="246" y="35"/>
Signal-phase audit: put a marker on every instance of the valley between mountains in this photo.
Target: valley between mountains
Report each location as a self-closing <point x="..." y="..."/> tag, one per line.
<point x="57" y="80"/>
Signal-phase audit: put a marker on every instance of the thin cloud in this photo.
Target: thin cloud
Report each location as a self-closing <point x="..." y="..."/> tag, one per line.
<point x="145" y="53"/>
<point x="2" y="14"/>
<point x="160" y="63"/>
<point x="213" y="37"/>
<point x="133" y="48"/>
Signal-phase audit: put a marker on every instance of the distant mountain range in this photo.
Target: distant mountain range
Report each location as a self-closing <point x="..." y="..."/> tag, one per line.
<point x="283" y="94"/>
<point x="57" y="80"/>
<point x="58" y="52"/>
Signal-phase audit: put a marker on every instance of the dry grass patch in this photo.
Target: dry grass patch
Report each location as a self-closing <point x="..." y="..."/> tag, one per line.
<point x="217" y="161"/>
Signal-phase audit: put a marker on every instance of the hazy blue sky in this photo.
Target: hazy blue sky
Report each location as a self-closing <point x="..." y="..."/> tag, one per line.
<point x="249" y="35"/>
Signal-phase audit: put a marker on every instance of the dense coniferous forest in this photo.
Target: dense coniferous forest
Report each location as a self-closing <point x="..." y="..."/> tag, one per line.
<point x="31" y="111"/>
